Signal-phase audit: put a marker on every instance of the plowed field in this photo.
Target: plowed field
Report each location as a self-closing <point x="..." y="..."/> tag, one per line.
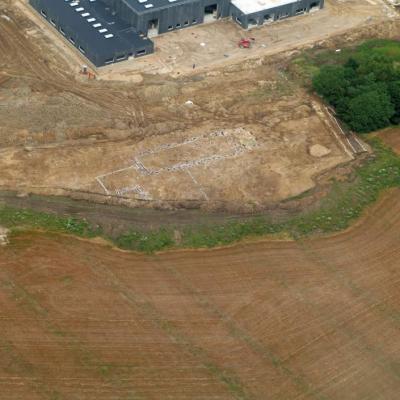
<point x="391" y="137"/>
<point x="316" y="319"/>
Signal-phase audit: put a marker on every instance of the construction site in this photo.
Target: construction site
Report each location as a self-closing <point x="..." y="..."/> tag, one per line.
<point x="109" y="31"/>
<point x="206" y="125"/>
<point x="233" y="133"/>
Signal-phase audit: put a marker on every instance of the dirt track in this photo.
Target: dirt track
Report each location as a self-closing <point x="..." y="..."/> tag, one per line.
<point x="317" y="319"/>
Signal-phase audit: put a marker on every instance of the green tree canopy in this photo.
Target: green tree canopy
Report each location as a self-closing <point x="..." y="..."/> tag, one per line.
<point x="369" y="111"/>
<point x="365" y="90"/>
<point x="377" y="64"/>
<point x="331" y="83"/>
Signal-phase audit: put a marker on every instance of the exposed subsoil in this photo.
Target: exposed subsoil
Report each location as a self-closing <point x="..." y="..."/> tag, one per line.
<point x="61" y="134"/>
<point x="116" y="219"/>
<point x="316" y="319"/>
<point x="391" y="137"/>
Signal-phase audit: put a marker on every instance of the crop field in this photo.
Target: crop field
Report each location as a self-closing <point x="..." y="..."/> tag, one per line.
<point x="391" y="137"/>
<point x="312" y="319"/>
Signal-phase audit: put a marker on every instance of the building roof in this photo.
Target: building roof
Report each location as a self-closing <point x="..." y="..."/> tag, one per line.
<point x="254" y="6"/>
<point x="141" y="6"/>
<point x="93" y="25"/>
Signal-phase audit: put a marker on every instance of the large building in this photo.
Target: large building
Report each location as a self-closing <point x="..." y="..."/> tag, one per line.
<point x="108" y="31"/>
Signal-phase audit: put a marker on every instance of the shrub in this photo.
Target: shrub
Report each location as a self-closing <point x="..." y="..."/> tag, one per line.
<point x="369" y="111"/>
<point x="365" y="89"/>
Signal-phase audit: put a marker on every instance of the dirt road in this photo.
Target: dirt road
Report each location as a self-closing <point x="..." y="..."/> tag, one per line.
<point x="316" y="319"/>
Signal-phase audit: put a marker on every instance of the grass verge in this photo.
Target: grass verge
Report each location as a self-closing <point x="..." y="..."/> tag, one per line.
<point x="343" y="204"/>
<point x="16" y="219"/>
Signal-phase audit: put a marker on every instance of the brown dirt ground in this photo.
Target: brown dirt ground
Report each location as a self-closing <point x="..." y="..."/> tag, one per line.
<point x="177" y="51"/>
<point x="59" y="133"/>
<point x="316" y="319"/>
<point x="391" y="137"/>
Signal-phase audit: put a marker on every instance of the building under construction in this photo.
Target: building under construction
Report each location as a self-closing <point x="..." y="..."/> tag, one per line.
<point x="108" y="31"/>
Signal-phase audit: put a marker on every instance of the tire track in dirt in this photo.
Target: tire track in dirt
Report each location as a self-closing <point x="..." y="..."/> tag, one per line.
<point x="66" y="341"/>
<point x="238" y="390"/>
<point x="245" y="321"/>
<point x="78" y="353"/>
<point x="248" y="341"/>
<point x="21" y="55"/>
<point x="81" y="353"/>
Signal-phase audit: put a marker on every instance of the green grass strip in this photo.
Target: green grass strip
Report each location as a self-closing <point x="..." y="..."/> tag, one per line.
<point x="343" y="204"/>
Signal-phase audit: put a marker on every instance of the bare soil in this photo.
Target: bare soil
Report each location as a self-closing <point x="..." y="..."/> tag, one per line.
<point x="391" y="137"/>
<point x="214" y="45"/>
<point x="235" y="137"/>
<point x="317" y="319"/>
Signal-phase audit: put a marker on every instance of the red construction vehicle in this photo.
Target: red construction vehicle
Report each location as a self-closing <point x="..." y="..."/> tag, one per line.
<point x="245" y="43"/>
<point x="85" y="71"/>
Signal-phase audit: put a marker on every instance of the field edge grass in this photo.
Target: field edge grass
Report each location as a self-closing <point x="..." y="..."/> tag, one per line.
<point x="344" y="203"/>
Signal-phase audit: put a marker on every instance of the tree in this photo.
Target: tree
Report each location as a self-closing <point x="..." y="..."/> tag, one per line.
<point x="352" y="64"/>
<point x="331" y="83"/>
<point x="379" y="65"/>
<point x="369" y="111"/>
<point x="365" y="90"/>
<point x="365" y="86"/>
<point x="394" y="91"/>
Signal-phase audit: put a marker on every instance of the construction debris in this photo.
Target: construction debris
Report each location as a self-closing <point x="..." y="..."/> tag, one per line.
<point x="4" y="232"/>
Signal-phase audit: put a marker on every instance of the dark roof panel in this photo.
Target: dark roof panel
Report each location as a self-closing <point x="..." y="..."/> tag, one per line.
<point x="92" y="24"/>
<point x="141" y="6"/>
